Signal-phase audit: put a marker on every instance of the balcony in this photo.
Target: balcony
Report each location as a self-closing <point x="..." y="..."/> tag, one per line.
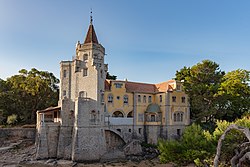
<point x="118" y="121"/>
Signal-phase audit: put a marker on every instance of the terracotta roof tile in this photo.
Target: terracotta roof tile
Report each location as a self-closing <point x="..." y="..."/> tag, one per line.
<point x="165" y="86"/>
<point x="143" y="87"/>
<point x="107" y="85"/>
<point x="140" y="87"/>
<point x="91" y="35"/>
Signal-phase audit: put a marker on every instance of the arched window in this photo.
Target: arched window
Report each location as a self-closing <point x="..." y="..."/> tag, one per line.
<point x="139" y="98"/>
<point x="144" y="99"/>
<point x="183" y="99"/>
<point x="178" y="117"/>
<point x="152" y="118"/>
<point x="93" y="116"/>
<point x="130" y="114"/>
<point x="125" y="99"/>
<point x="149" y="99"/>
<point x="117" y="114"/>
<point x="82" y="94"/>
<point x="110" y="98"/>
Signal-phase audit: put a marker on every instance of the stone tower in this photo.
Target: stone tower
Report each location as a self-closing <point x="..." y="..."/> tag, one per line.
<point x="82" y="101"/>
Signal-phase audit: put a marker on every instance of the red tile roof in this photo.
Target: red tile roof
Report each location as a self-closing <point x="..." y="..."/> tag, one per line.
<point x="143" y="87"/>
<point x="91" y="35"/>
<point x="165" y="86"/>
<point x="140" y="87"/>
<point x="107" y="85"/>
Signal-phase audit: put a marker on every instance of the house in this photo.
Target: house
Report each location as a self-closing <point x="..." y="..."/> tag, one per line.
<point x="96" y="116"/>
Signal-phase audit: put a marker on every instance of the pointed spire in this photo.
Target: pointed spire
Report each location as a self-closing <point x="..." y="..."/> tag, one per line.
<point x="91" y="35"/>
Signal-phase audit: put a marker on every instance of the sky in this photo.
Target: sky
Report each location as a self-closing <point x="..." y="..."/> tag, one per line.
<point x="145" y="40"/>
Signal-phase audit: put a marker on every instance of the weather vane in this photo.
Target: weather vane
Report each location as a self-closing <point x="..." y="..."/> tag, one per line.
<point x="91" y="17"/>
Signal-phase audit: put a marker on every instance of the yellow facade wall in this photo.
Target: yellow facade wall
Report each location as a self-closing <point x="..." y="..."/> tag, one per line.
<point x="163" y="99"/>
<point x="118" y="99"/>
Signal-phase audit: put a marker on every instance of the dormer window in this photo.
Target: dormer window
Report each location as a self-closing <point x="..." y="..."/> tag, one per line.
<point x="178" y="87"/>
<point x="118" y="85"/>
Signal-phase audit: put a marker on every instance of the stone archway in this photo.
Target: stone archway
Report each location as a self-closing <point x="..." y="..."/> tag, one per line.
<point x="117" y="114"/>
<point x="113" y="140"/>
<point x="130" y="114"/>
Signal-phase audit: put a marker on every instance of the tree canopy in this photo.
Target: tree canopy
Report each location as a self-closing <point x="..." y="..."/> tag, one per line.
<point x="215" y="94"/>
<point x="112" y="77"/>
<point x="27" y="92"/>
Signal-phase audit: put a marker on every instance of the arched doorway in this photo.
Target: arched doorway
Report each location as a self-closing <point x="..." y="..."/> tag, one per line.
<point x="113" y="140"/>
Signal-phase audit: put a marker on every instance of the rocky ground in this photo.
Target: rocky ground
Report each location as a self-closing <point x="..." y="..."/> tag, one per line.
<point x="21" y="153"/>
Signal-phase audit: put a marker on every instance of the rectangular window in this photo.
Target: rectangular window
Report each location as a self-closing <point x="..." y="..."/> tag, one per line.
<point x="178" y="87"/>
<point x="140" y="131"/>
<point x="64" y="73"/>
<point x="150" y="99"/>
<point x="118" y="85"/>
<point x="173" y="98"/>
<point x="140" y="118"/>
<point x="78" y="69"/>
<point x="102" y="98"/>
<point x="85" y="72"/>
<point x="152" y="119"/>
<point x="110" y="98"/>
<point x="64" y="93"/>
<point x="125" y="99"/>
<point x="183" y="99"/>
<point x="85" y="57"/>
<point x="178" y="132"/>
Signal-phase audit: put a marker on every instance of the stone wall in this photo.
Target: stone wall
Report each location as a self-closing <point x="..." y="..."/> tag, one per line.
<point x="47" y="141"/>
<point x="22" y="133"/>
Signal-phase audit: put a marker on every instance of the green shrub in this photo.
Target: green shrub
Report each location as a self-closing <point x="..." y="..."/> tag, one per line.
<point x="12" y="119"/>
<point x="199" y="146"/>
<point x="194" y="144"/>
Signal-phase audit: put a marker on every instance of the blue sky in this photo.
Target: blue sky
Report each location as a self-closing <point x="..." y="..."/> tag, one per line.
<point x="145" y="41"/>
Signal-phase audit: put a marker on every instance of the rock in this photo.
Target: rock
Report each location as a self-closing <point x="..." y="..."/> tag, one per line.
<point x="133" y="148"/>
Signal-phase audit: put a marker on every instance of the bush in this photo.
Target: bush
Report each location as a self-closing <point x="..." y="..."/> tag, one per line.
<point x="12" y="119"/>
<point x="233" y="139"/>
<point x="199" y="146"/>
<point x="194" y="144"/>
